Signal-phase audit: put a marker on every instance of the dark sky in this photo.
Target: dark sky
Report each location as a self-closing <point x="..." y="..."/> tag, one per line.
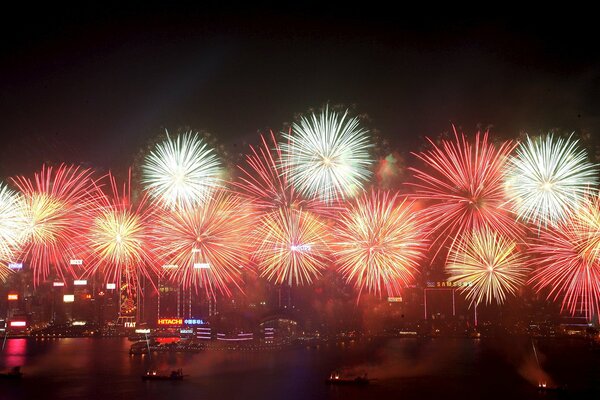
<point x="94" y="85"/>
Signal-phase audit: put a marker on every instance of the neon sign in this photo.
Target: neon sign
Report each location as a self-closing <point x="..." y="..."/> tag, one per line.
<point x="170" y="321"/>
<point x="110" y="286"/>
<point x="15" y="266"/>
<point x="18" y="323"/>
<point x="193" y="322"/>
<point x="80" y="282"/>
<point x="69" y="298"/>
<point x="201" y="266"/>
<point x="58" y="284"/>
<point x="13" y="296"/>
<point x="76" y="262"/>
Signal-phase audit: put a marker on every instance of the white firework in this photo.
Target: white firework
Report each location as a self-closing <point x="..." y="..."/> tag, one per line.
<point x="327" y="155"/>
<point x="181" y="172"/>
<point x="12" y="223"/>
<point x="548" y="179"/>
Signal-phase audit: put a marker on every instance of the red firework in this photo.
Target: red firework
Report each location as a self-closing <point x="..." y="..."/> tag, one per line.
<point x="265" y="182"/>
<point x="379" y="243"/>
<point x="56" y="202"/>
<point x="119" y="240"/>
<point x="567" y="261"/>
<point x="464" y="188"/>
<point x="206" y="246"/>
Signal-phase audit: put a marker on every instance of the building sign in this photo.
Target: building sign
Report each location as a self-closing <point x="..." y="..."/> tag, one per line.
<point x="201" y="266"/>
<point x="18" y="323"/>
<point x="193" y="322"/>
<point x="143" y="331"/>
<point x="58" y="284"/>
<point x="13" y="297"/>
<point x="80" y="282"/>
<point x="111" y="286"/>
<point x="69" y="298"/>
<point x="79" y="323"/>
<point x="76" y="262"/>
<point x="446" y="284"/>
<point x="395" y="299"/>
<point x="186" y="331"/>
<point x="15" y="266"/>
<point x="170" y="321"/>
<point x="300" y="247"/>
<point x="130" y="324"/>
<point x="170" y="266"/>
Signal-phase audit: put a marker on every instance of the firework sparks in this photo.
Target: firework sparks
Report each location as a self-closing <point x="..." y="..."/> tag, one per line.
<point x="181" y="171"/>
<point x="291" y="246"/>
<point x="208" y="244"/>
<point x="12" y="223"/>
<point x="548" y="178"/>
<point x="465" y="189"/>
<point x="54" y="204"/>
<point x="265" y="182"/>
<point x="379" y="243"/>
<point x="487" y="266"/>
<point x="568" y="260"/>
<point x="119" y="240"/>
<point x="328" y="155"/>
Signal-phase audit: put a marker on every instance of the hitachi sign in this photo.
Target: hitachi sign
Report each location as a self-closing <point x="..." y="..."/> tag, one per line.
<point x="170" y="321"/>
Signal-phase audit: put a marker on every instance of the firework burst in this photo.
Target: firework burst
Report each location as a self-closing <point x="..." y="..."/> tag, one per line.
<point x="119" y="240"/>
<point x="290" y="246"/>
<point x="379" y="243"/>
<point x="465" y="189"/>
<point x="54" y="204"/>
<point x="12" y="223"/>
<point x="487" y="266"/>
<point x="548" y="178"/>
<point x="328" y="155"/>
<point x="181" y="171"/>
<point x="207" y="246"/>
<point x="568" y="260"/>
<point x="264" y="182"/>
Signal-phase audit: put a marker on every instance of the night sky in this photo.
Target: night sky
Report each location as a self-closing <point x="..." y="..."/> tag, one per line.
<point x="95" y="85"/>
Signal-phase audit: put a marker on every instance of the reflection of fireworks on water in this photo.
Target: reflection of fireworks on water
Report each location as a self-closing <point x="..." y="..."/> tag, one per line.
<point x="206" y="246"/>
<point x="568" y="260"/>
<point x="548" y="178"/>
<point x="290" y="246"/>
<point x="119" y="240"/>
<point x="12" y="224"/>
<point x="487" y="266"/>
<point x="328" y="155"/>
<point x="379" y="243"/>
<point x="55" y="203"/>
<point x="181" y="171"/>
<point x="464" y="188"/>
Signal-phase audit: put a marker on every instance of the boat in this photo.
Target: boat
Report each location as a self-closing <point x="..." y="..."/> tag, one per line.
<point x="547" y="387"/>
<point x="336" y="378"/>
<point x="153" y="375"/>
<point x="14" y="373"/>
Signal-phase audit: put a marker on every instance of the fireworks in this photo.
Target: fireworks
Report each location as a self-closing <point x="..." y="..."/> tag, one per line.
<point x="568" y="260"/>
<point x="548" y="178"/>
<point x="291" y="246"/>
<point x="465" y="188"/>
<point x="119" y="240"/>
<point x="487" y="266"/>
<point x="181" y="171"/>
<point x="12" y="223"/>
<point x="54" y="205"/>
<point x="208" y="244"/>
<point x="379" y="243"/>
<point x="328" y="155"/>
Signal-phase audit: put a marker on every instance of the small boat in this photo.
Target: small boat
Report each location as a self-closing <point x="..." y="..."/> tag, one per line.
<point x="175" y="375"/>
<point x="336" y="378"/>
<point x="14" y="373"/>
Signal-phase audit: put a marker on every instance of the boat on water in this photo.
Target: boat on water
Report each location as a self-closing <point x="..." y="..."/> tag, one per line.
<point x="548" y="387"/>
<point x="336" y="378"/>
<point x="14" y="373"/>
<point x="153" y="375"/>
